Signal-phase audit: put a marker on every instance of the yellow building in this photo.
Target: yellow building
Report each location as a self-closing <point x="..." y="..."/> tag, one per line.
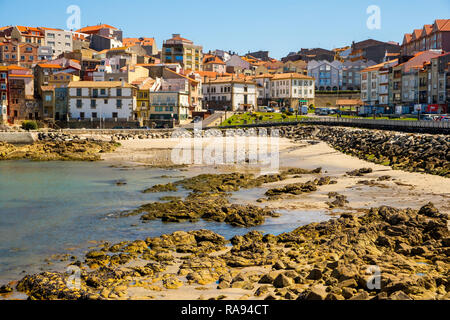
<point x="144" y="87"/>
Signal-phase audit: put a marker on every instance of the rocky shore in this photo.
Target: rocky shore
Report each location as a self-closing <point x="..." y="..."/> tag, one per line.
<point x="409" y="152"/>
<point x="387" y="253"/>
<point x="59" y="147"/>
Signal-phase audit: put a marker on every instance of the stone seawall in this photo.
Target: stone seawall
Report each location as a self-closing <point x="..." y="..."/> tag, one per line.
<point x="18" y="137"/>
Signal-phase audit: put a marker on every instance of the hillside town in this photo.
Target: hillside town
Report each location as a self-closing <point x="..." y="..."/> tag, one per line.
<point x="95" y="77"/>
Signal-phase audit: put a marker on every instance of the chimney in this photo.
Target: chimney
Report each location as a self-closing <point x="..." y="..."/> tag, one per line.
<point x="175" y="35"/>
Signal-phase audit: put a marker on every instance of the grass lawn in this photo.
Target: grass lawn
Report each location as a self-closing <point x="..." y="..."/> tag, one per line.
<point x="258" y="117"/>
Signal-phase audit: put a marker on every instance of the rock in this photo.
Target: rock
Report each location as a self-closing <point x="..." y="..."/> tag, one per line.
<point x="334" y="296"/>
<point x="279" y="265"/>
<point x="269" y="278"/>
<point x="399" y="295"/>
<point x="363" y="295"/>
<point x="317" y="292"/>
<point x="315" y="274"/>
<point x="350" y="283"/>
<point x="282" y="281"/>
<point x="6" y="289"/>
<point x="262" y="290"/>
<point x="172" y="283"/>
<point x="429" y="210"/>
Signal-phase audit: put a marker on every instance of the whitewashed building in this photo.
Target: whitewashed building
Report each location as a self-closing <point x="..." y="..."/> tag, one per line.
<point x="106" y="100"/>
<point x="228" y="93"/>
<point x="292" y="89"/>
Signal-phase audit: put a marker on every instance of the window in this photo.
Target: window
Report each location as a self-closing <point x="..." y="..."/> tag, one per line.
<point x="119" y="92"/>
<point x="94" y="115"/>
<point x="95" y="93"/>
<point x="115" y="115"/>
<point x="3" y="86"/>
<point x="82" y="115"/>
<point x="106" y="101"/>
<point x="93" y="104"/>
<point x="48" y="97"/>
<point x="103" y="92"/>
<point x="78" y="92"/>
<point x="119" y="104"/>
<point x="79" y="104"/>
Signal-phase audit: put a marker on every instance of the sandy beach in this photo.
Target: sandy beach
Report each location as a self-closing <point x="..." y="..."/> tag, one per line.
<point x="383" y="186"/>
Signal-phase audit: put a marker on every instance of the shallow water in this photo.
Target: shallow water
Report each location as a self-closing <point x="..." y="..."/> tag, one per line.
<point x="48" y="208"/>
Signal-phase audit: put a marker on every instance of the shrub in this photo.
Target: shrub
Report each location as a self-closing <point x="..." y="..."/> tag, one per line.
<point x="29" y="125"/>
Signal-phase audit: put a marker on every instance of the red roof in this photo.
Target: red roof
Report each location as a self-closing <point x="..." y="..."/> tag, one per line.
<point x="443" y="24"/>
<point x="95" y="29"/>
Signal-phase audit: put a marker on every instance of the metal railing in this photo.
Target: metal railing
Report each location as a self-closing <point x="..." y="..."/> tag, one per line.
<point x="393" y="123"/>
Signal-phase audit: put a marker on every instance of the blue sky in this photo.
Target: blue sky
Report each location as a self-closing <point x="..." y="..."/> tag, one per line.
<point x="279" y="26"/>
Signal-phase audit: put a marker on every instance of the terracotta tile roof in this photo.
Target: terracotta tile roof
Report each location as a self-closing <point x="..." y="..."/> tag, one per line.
<point x="379" y="66"/>
<point x="49" y="66"/>
<point x="181" y="75"/>
<point x="232" y="79"/>
<point x="417" y="33"/>
<point x="281" y="76"/>
<point x="28" y="30"/>
<point x="144" y="83"/>
<point x="53" y="29"/>
<point x="443" y="24"/>
<point x="94" y="29"/>
<point x="265" y="75"/>
<point x="12" y="75"/>
<point x="427" y="29"/>
<point x="215" y="60"/>
<point x="141" y="41"/>
<point x="98" y="84"/>
<point x="14" y="67"/>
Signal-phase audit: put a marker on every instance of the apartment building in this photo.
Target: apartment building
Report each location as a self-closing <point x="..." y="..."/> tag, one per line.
<point x="19" y="94"/>
<point x="372" y="50"/>
<point x="108" y="100"/>
<point x="230" y="93"/>
<point x="292" y="89"/>
<point x="327" y="75"/>
<point x="182" y="51"/>
<point x="58" y="40"/>
<point x="351" y="74"/>
<point x="28" y="35"/>
<point x="429" y="37"/>
<point x="375" y="84"/>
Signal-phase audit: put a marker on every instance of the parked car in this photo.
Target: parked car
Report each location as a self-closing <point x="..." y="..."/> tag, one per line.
<point x="323" y="112"/>
<point x="427" y="118"/>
